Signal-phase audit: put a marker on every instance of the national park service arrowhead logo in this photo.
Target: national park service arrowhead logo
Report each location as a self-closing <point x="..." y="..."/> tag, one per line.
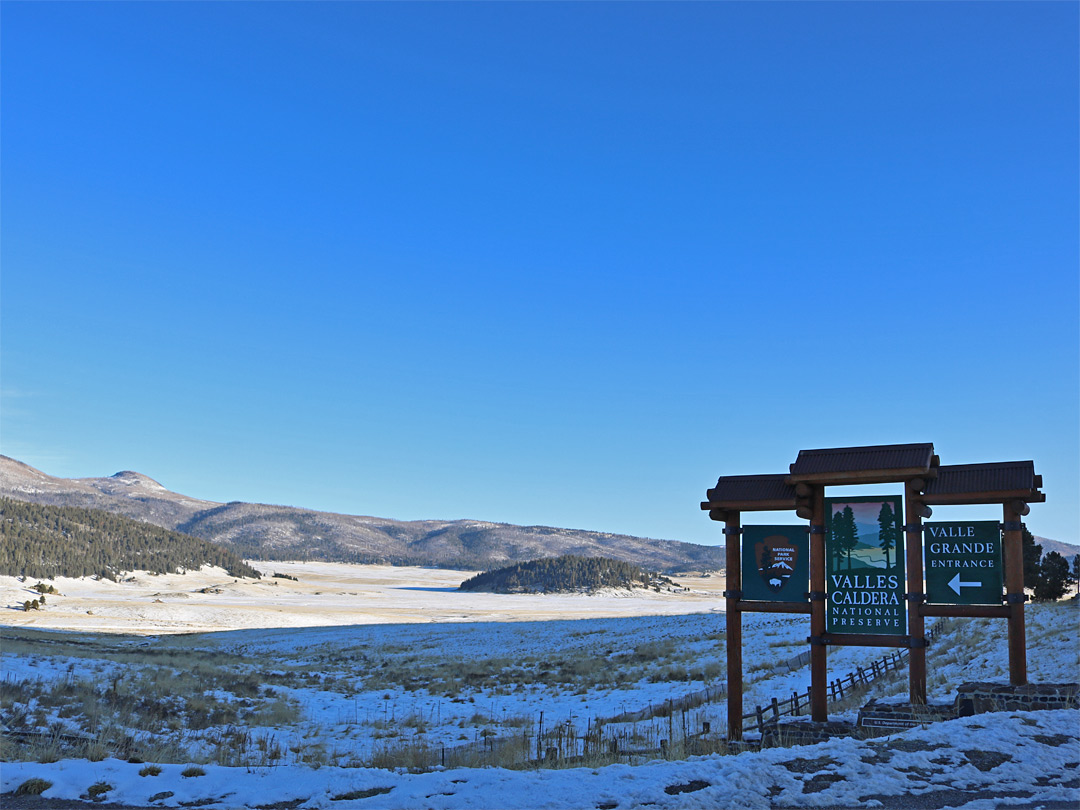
<point x="776" y="557"/>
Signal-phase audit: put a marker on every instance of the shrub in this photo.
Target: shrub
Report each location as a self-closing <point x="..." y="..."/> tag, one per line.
<point x="193" y="770"/>
<point x="33" y="787"/>
<point x="150" y="770"/>
<point x="98" y="789"/>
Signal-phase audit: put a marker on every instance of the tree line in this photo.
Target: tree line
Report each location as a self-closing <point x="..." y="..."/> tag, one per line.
<point x="560" y="574"/>
<point x="845" y="535"/>
<point x="1049" y="575"/>
<point x="50" y="541"/>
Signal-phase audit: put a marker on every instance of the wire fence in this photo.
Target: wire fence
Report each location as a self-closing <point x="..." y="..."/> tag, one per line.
<point x="563" y="742"/>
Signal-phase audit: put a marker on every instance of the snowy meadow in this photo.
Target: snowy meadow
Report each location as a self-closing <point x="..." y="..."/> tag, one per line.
<point x="450" y="711"/>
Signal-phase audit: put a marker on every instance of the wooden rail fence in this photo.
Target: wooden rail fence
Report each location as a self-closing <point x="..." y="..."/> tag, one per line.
<point x="799" y="701"/>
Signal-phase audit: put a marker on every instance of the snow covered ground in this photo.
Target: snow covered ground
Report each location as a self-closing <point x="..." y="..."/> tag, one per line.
<point x="324" y="594"/>
<point x="1009" y="760"/>
<point x="315" y="697"/>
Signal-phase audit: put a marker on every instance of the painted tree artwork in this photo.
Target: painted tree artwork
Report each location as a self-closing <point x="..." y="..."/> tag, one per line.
<point x="888" y="531"/>
<point x="865" y="559"/>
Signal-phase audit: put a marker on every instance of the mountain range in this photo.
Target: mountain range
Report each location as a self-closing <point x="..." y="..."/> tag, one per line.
<point x="263" y="531"/>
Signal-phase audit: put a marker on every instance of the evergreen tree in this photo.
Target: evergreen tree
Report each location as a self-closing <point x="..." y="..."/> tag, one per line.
<point x="887" y="532"/>
<point x="836" y="529"/>
<point x="851" y="534"/>
<point x="1053" y="578"/>
<point x="1075" y="578"/>
<point x="1032" y="558"/>
<point x="766" y="558"/>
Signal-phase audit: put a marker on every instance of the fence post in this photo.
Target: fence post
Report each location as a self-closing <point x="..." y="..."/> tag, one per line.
<point x="760" y="721"/>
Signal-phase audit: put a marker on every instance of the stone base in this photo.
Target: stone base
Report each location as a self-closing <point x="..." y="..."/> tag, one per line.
<point x="976" y="698"/>
<point x="781" y="735"/>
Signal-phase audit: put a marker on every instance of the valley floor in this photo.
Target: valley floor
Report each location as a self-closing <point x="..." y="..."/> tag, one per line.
<point x="322" y="594"/>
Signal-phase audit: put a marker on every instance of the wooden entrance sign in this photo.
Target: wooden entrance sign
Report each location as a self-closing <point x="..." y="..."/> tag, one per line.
<point x="914" y="466"/>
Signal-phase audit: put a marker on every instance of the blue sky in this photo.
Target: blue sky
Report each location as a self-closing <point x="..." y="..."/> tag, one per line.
<point x="546" y="263"/>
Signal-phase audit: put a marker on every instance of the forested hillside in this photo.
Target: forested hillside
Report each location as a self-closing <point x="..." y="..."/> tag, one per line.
<point x="568" y="573"/>
<point x="50" y="541"/>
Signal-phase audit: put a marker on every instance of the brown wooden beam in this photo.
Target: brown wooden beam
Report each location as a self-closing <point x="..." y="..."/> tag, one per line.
<point x="749" y="506"/>
<point x="733" y="623"/>
<point x="1014" y="587"/>
<point x="819" y="672"/>
<point x="971" y="498"/>
<point x="967" y="611"/>
<point x="833" y="479"/>
<point x="916" y="625"/>
<point x="774" y="607"/>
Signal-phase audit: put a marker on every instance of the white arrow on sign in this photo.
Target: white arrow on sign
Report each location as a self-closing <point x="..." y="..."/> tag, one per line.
<point x="956" y="584"/>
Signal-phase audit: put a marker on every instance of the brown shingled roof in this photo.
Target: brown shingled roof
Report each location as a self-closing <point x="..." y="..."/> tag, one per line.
<point x="850" y="459"/>
<point x="751" y="488"/>
<point x="1001" y="479"/>
<point x="998" y="482"/>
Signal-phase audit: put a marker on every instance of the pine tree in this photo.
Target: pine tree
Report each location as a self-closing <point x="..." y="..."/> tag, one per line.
<point x="1053" y="578"/>
<point x="1032" y="557"/>
<point x="839" y="543"/>
<point x="886" y="531"/>
<point x="766" y="559"/>
<point x="851" y="534"/>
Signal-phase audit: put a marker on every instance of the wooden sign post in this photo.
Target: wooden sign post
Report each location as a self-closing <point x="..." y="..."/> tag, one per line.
<point x="914" y="466"/>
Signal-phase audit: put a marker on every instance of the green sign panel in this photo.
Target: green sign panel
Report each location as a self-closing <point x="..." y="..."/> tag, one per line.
<point x="962" y="562"/>
<point x="775" y="563"/>
<point x="864" y="554"/>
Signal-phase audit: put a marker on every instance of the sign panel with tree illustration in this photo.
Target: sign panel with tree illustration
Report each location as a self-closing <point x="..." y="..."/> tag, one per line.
<point x="864" y="552"/>
<point x="775" y="563"/>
